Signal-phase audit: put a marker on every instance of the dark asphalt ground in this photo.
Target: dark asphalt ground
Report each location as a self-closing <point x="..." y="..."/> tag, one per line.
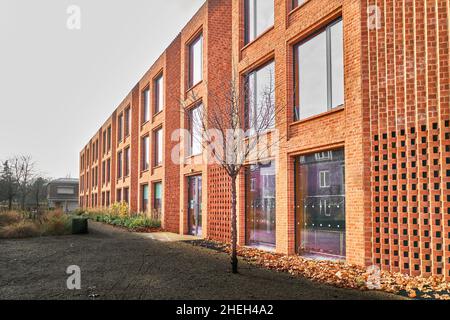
<point x="119" y="265"/>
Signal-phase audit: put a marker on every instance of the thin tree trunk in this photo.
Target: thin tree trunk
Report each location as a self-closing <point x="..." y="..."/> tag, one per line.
<point x="10" y="204"/>
<point x="234" y="260"/>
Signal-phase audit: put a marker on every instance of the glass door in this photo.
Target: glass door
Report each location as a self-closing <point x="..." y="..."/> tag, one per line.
<point x="195" y="205"/>
<point x="260" y="205"/>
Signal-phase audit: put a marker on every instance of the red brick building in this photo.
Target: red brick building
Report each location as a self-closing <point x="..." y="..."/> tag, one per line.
<point x="363" y="168"/>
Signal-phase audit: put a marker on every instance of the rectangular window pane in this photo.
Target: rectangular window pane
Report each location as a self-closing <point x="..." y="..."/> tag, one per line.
<point x="146" y="102"/>
<point x="159" y="94"/>
<point x="127" y="162"/>
<point x="127" y="121"/>
<point x="196" y="61"/>
<point x="145" y="153"/>
<point x="158" y="147"/>
<point x="261" y="98"/>
<point x="321" y="204"/>
<point x="157" y="200"/>
<point x="319" y="81"/>
<point x="196" y="130"/>
<point x="337" y="65"/>
<point x="312" y="71"/>
<point x="259" y="17"/>
<point x="119" y="165"/>
<point x="145" y="198"/>
<point x="119" y="128"/>
<point x="261" y="205"/>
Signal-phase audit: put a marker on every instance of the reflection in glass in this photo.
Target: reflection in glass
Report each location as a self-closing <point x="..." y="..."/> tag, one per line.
<point x="321" y="204"/>
<point x="260" y="205"/>
<point x="195" y="205"/>
<point x="319" y="72"/>
<point x="259" y="17"/>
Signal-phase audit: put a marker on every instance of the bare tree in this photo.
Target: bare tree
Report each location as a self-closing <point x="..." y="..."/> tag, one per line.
<point x="8" y="185"/>
<point x="24" y="172"/>
<point x="238" y="129"/>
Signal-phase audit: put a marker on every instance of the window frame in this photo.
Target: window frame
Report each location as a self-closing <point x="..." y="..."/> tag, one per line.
<point x="127" y="162"/>
<point x="120" y="128"/>
<point x="158" y="84"/>
<point x="127" y="121"/>
<point x="197" y="39"/>
<point x="120" y="164"/>
<point x="145" y="113"/>
<point x="158" y="156"/>
<point x="296" y="85"/>
<point x="191" y="131"/>
<point x="145" y="163"/>
<point x="251" y="38"/>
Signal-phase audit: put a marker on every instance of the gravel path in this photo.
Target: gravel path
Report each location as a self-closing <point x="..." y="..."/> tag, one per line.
<point x="119" y="265"/>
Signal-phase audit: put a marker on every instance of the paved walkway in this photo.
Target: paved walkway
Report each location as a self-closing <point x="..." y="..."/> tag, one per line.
<point x="119" y="265"/>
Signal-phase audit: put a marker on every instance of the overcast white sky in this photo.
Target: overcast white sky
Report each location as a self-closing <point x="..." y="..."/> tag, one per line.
<point x="57" y="86"/>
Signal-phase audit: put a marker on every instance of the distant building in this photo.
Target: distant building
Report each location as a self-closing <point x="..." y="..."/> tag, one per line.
<point x="63" y="194"/>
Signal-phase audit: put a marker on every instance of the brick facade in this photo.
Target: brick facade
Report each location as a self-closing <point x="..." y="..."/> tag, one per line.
<point x="394" y="127"/>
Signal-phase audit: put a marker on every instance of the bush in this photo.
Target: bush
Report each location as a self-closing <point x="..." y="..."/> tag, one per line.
<point x="130" y="222"/>
<point x="56" y="223"/>
<point x="18" y="230"/>
<point x="10" y="217"/>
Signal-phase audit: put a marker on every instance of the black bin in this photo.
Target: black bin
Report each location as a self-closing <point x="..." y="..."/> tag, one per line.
<point x="80" y="226"/>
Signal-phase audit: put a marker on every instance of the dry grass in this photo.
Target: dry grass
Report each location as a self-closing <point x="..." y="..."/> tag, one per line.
<point x="14" y="225"/>
<point x="19" y="230"/>
<point x="10" y="217"/>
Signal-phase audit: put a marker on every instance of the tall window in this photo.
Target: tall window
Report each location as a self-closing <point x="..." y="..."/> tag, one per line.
<point x="104" y="142"/>
<point x="127" y="121"/>
<point x="119" y="195"/>
<point x="196" y="130"/>
<point x="108" y="170"/>
<point x="146" y="105"/>
<point x="196" y="61"/>
<point x="159" y="94"/>
<point x="145" y="153"/>
<point x="127" y="162"/>
<point x="145" y="198"/>
<point x="109" y="138"/>
<point x="260" y="102"/>
<point x="259" y="16"/>
<point x="119" y="128"/>
<point x="319" y="72"/>
<point x="320" y="195"/>
<point x="158" y="143"/>
<point x="126" y="195"/>
<point x="103" y="172"/>
<point x="119" y="165"/>
<point x="260" y="200"/>
<point x="157" y="199"/>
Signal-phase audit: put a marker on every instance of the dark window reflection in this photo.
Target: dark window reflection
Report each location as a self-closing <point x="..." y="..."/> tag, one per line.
<point x="260" y="205"/>
<point x="321" y="204"/>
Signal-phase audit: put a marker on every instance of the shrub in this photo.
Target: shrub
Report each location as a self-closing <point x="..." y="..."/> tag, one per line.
<point x="10" y="217"/>
<point x="18" y="230"/>
<point x="119" y="209"/>
<point x="56" y="223"/>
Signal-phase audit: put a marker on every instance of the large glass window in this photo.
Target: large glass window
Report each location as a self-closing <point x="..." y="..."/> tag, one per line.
<point x="259" y="16"/>
<point x="119" y="128"/>
<point x="260" y="205"/>
<point x="260" y="101"/>
<point x="196" y="130"/>
<point x="157" y="200"/>
<point x="196" y="61"/>
<point x="119" y="165"/>
<point x="145" y="153"/>
<point x="127" y="121"/>
<point x="158" y="143"/>
<point x="109" y="138"/>
<point x="146" y="105"/>
<point x="320" y="189"/>
<point x="159" y="94"/>
<point x="319" y="72"/>
<point x="127" y="162"/>
<point x="144" y="198"/>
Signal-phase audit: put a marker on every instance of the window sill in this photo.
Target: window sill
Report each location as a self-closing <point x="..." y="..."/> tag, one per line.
<point x="324" y="114"/>
<point x="268" y="30"/>
<point x="157" y="167"/>
<point x="158" y="114"/>
<point x="194" y="86"/>
<point x="297" y="8"/>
